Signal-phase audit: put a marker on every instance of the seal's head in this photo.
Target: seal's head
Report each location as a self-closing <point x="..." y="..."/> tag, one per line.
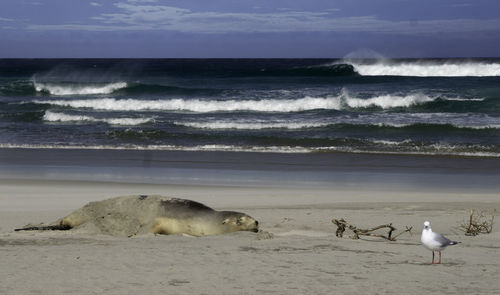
<point x="236" y="221"/>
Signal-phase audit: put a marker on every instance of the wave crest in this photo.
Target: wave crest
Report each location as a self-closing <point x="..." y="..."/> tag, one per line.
<point x="251" y="125"/>
<point x="58" y="89"/>
<point x="336" y="124"/>
<point x="416" y="69"/>
<point x="202" y="106"/>
<point x="343" y="101"/>
<point x="387" y="101"/>
<point x="61" y="117"/>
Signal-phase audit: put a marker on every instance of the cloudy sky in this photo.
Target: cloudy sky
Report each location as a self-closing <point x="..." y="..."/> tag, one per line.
<point x="249" y="28"/>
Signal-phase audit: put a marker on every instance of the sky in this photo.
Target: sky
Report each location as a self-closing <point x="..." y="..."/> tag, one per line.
<point x="249" y="28"/>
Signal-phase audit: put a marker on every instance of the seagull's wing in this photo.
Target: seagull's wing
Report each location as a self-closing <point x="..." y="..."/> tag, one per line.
<point x="444" y="241"/>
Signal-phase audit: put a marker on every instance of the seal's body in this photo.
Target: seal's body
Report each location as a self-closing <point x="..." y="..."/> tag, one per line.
<point x="126" y="216"/>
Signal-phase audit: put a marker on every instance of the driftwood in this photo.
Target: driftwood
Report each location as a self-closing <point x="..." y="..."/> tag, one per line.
<point x="478" y="223"/>
<point x="342" y="225"/>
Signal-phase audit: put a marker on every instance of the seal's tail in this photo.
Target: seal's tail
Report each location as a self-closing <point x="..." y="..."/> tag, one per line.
<point x="47" y="227"/>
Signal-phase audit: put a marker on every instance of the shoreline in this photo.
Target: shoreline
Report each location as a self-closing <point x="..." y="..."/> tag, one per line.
<point x="265" y="150"/>
<point x="6" y="154"/>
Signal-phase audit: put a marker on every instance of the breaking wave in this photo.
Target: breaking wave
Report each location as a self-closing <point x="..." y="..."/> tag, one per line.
<point x="388" y="101"/>
<point x="427" y="69"/>
<point x="72" y="89"/>
<point x="255" y="125"/>
<point x="343" y="101"/>
<point x="30" y="87"/>
<point x="339" y="125"/>
<point x="221" y="125"/>
<point x="201" y="106"/>
<point x="61" y="117"/>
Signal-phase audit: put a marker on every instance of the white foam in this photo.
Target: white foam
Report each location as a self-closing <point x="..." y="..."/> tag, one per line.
<point x="380" y="119"/>
<point x="490" y="126"/>
<point x="425" y="69"/>
<point x="388" y="101"/>
<point x="210" y="147"/>
<point x="56" y="89"/>
<point x="391" y="142"/>
<point x="197" y="105"/>
<point x="464" y="99"/>
<point x="231" y="148"/>
<point x="61" y="117"/>
<point x="251" y="125"/>
<point x="264" y="105"/>
<point x="237" y="125"/>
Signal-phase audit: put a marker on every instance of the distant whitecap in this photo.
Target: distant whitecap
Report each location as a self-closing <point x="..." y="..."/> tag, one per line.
<point x="426" y="69"/>
<point x="62" y="117"/>
<point x="76" y="89"/>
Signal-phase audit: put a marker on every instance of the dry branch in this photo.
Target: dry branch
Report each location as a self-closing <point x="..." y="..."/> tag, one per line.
<point x="478" y="223"/>
<point x="342" y="225"/>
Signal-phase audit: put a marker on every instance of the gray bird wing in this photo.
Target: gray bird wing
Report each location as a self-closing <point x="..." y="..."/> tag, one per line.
<point x="442" y="239"/>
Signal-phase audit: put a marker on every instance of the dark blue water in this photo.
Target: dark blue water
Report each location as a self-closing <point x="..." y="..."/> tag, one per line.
<point x="432" y="106"/>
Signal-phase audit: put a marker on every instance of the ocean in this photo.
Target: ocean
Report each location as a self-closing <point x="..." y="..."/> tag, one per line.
<point x="403" y="106"/>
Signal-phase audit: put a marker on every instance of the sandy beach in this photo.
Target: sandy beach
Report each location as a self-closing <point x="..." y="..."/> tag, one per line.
<point x="294" y="197"/>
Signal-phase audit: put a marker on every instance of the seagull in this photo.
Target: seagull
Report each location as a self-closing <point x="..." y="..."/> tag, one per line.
<point x="434" y="241"/>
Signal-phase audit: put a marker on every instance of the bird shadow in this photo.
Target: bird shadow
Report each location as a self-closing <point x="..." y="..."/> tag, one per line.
<point x="444" y="264"/>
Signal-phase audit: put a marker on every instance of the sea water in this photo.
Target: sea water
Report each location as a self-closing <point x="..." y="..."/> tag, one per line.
<point x="405" y="106"/>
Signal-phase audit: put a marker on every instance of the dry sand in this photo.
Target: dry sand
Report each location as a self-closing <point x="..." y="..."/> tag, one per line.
<point x="303" y="257"/>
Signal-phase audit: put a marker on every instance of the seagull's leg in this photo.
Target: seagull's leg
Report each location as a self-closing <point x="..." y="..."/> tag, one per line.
<point x="439" y="257"/>
<point x="432" y="256"/>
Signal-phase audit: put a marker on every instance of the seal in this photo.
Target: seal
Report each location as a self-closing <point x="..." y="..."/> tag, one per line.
<point x="131" y="215"/>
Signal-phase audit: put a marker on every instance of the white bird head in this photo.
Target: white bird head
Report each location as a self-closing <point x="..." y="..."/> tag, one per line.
<point x="427" y="225"/>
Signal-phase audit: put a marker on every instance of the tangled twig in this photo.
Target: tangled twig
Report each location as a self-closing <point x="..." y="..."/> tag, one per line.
<point x="342" y="225"/>
<point x="478" y="223"/>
